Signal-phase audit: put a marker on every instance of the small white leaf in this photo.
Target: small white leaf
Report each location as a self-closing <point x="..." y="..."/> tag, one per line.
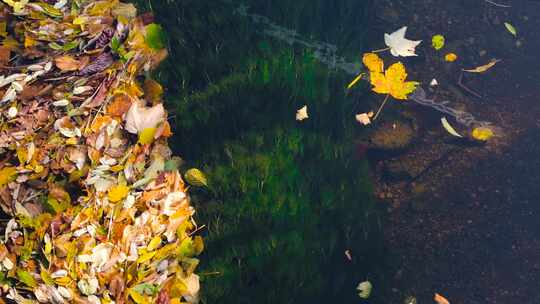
<point x="302" y="113"/>
<point x="364" y="289"/>
<point x="399" y="45"/>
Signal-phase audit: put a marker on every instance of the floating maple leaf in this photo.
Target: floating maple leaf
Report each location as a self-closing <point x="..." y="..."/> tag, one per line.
<point x="399" y="45"/>
<point x="392" y="81"/>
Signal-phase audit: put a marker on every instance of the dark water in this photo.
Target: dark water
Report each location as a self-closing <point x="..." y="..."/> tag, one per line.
<point x="288" y="198"/>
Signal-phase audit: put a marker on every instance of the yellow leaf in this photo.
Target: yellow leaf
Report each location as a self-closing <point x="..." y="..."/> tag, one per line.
<point x="147" y="136"/>
<point x="484" y="67"/>
<point x="393" y="82"/>
<point x="450" y="57"/>
<point x="355" y="81"/>
<point x="3" y="27"/>
<point x="7" y="174"/>
<point x="195" y="177"/>
<point x="118" y="193"/>
<point x="138" y="298"/>
<point x="482" y="133"/>
<point x="373" y="62"/>
<point x="29" y="41"/>
<point x="146" y="257"/>
<point x="154" y="243"/>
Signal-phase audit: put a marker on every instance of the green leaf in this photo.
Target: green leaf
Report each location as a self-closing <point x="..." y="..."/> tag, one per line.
<point x="437" y="42"/>
<point x="155" y="36"/>
<point x="26" y="278"/>
<point x="145" y="288"/>
<point x="115" y="44"/>
<point x="511" y="28"/>
<point x="55" y="46"/>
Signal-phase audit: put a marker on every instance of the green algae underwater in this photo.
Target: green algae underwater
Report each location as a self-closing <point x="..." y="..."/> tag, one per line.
<point x="286" y="199"/>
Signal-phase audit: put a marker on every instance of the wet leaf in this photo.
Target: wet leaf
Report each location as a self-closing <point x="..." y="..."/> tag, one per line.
<point x="437" y="42"/>
<point x="354" y="81"/>
<point x="484" y="67"/>
<point x="373" y="62"/>
<point x="155" y="36"/>
<point x="449" y="128"/>
<point x="511" y="28"/>
<point x="482" y="133"/>
<point x="450" y="57"/>
<point x="440" y="299"/>
<point x="302" y="113"/>
<point x="393" y="82"/>
<point x="196" y="177"/>
<point x="399" y="45"/>
<point x="364" y="289"/>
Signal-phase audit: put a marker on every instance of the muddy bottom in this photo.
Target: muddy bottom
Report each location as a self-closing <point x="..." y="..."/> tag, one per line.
<point x="463" y="220"/>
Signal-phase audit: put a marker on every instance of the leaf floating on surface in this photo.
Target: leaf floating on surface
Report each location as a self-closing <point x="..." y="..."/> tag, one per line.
<point x="196" y="177"/>
<point x="511" y="28"/>
<point x="155" y="36"/>
<point x="437" y="42"/>
<point x="440" y="299"/>
<point x="449" y="128"/>
<point x="484" y="67"/>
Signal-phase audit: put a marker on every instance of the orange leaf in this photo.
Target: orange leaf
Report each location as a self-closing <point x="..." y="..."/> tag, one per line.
<point x="450" y="57"/>
<point x="5" y="53"/>
<point x="67" y="63"/>
<point x="440" y="299"/>
<point x="120" y="105"/>
<point x="99" y="122"/>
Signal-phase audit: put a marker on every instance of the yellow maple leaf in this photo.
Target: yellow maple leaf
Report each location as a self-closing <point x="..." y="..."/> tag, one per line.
<point x="393" y="82"/>
<point x="118" y="193"/>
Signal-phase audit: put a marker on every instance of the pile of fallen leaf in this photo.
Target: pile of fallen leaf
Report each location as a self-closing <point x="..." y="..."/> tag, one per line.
<point x="98" y="210"/>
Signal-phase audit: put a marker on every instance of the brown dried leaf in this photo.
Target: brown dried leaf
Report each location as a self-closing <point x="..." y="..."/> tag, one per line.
<point x="5" y="53"/>
<point x="67" y="63"/>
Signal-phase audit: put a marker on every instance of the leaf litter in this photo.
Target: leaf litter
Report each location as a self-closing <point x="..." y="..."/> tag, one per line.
<point x="97" y="213"/>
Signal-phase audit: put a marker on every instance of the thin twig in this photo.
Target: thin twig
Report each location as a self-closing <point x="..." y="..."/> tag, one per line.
<point x="381" y="107"/>
<point x="497" y="4"/>
<point x="464" y="87"/>
<point x="380" y="50"/>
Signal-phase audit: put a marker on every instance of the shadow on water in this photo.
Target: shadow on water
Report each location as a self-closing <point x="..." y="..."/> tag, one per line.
<point x="287" y="199"/>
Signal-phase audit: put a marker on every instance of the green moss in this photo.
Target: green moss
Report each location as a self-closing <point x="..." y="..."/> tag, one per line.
<point x="285" y="199"/>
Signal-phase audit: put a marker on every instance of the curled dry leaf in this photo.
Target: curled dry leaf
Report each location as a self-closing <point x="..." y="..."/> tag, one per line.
<point x="139" y="118"/>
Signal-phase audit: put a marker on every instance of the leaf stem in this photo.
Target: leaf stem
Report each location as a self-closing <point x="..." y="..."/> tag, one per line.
<point x="381" y="107"/>
<point x="380" y="50"/>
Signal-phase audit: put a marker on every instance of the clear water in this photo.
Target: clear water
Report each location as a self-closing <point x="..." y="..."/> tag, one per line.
<point x="288" y="199"/>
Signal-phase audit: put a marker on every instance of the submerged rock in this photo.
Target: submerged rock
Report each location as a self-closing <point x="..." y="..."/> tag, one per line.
<point x="393" y="136"/>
